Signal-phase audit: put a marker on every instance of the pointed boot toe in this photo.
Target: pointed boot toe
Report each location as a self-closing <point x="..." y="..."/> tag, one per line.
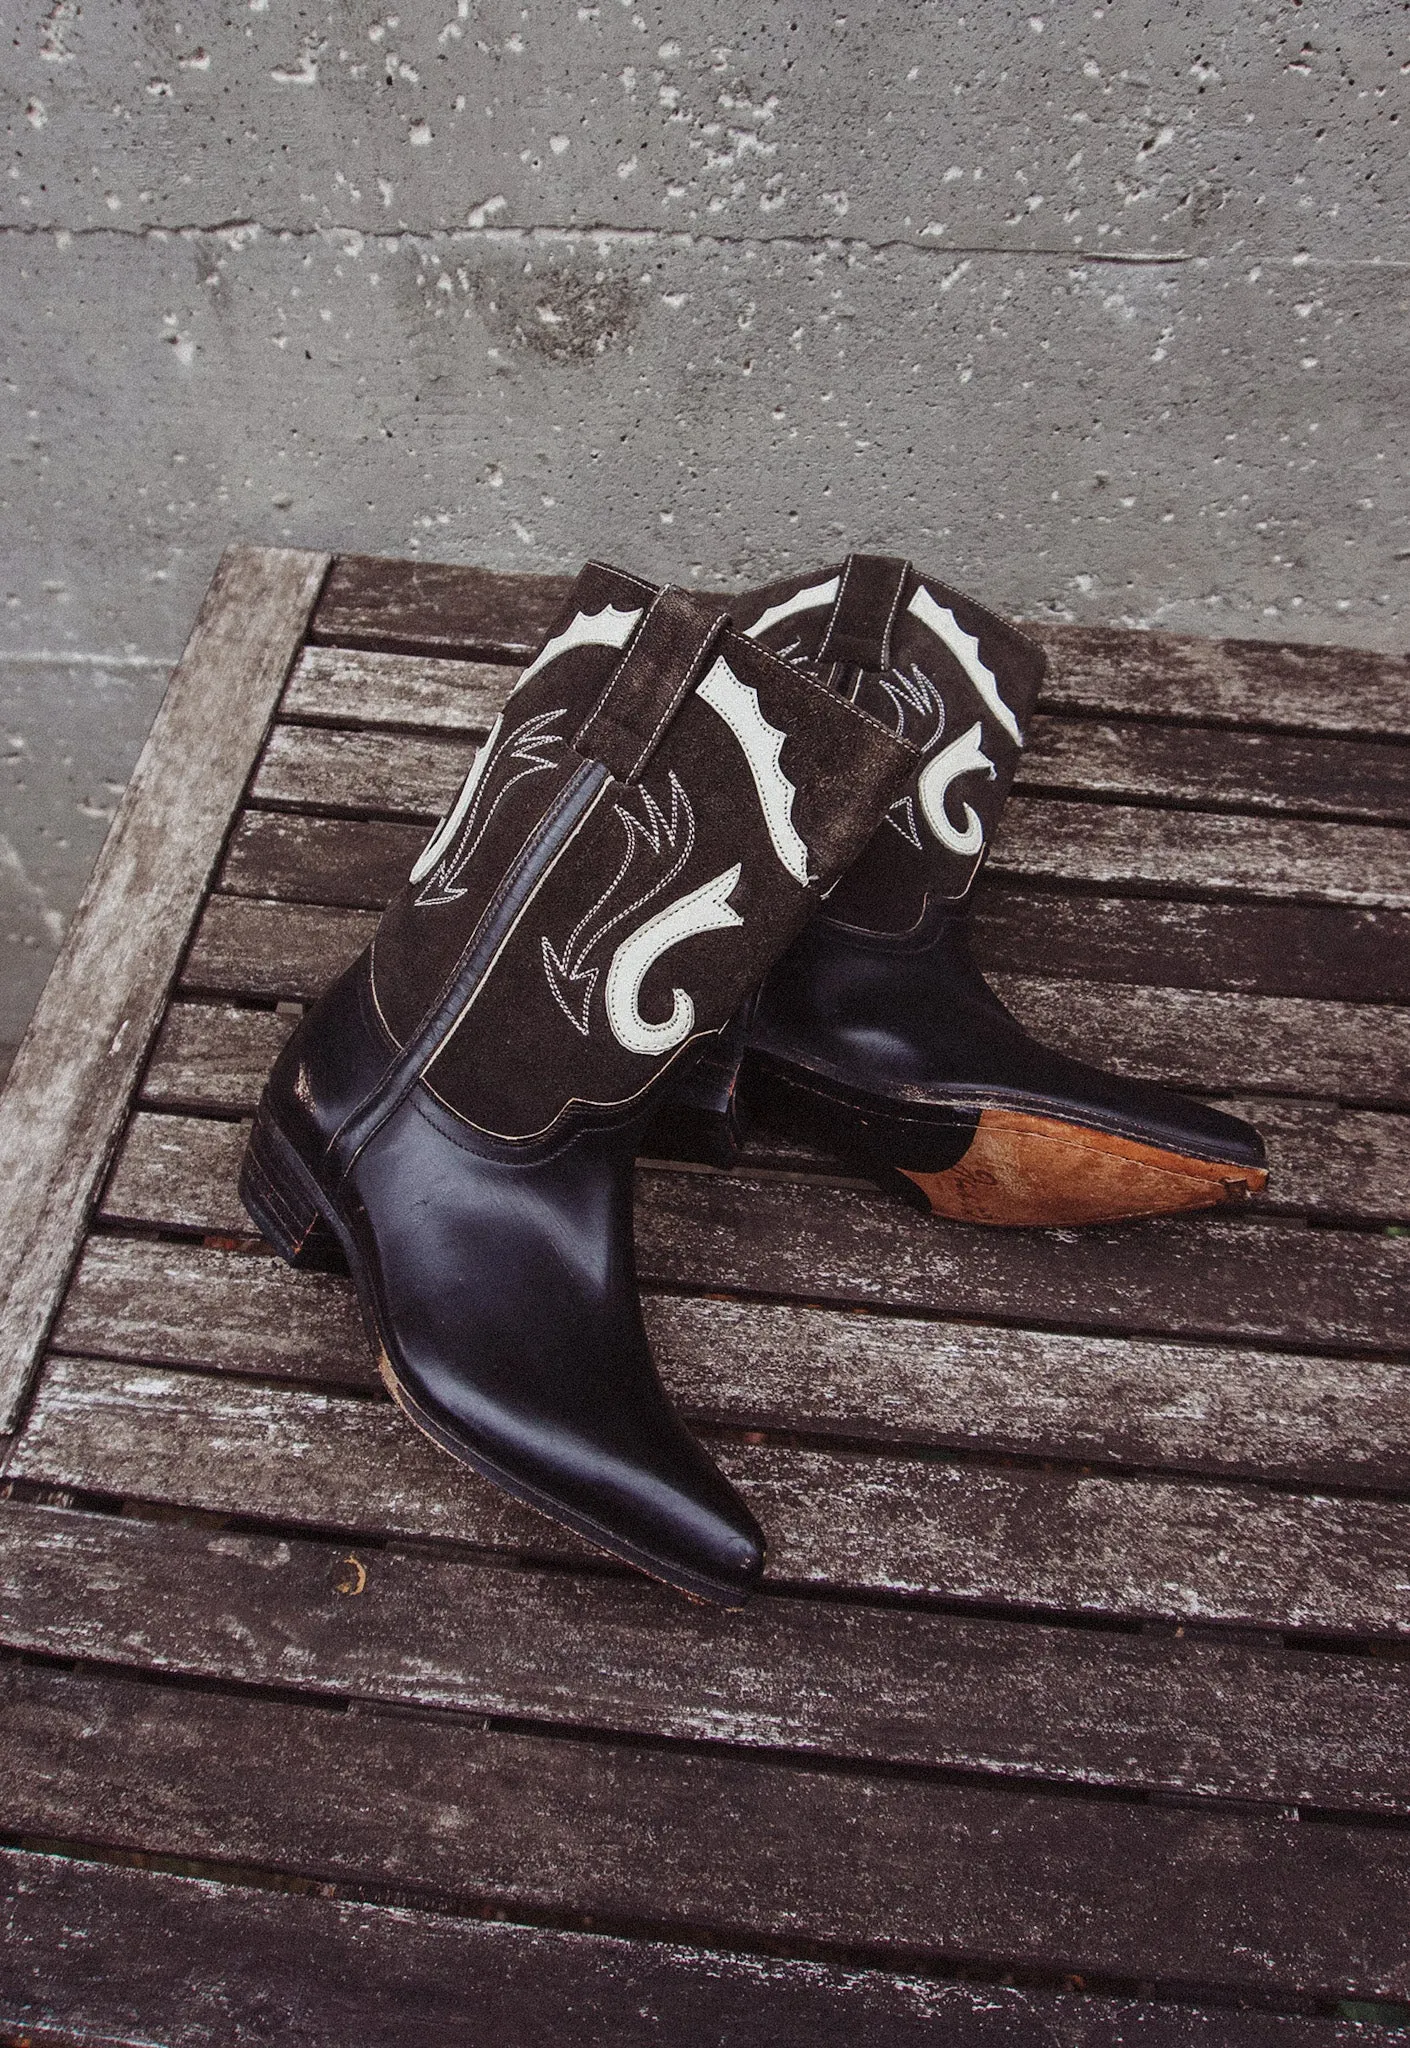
<point x="646" y="830"/>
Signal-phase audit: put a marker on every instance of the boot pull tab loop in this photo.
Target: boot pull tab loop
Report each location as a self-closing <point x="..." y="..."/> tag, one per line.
<point x="868" y="600"/>
<point x="660" y="667"/>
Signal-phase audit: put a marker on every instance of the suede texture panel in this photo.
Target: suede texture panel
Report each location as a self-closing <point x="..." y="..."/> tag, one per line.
<point x="953" y="678"/>
<point x="675" y="896"/>
<point x="433" y="919"/>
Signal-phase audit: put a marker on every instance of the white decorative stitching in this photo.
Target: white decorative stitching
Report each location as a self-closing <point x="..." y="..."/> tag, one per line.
<point x="566" y="966"/>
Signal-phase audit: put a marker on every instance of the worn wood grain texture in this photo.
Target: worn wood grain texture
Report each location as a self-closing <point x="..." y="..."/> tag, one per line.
<point x="1351" y="1164"/>
<point x="1291" y="949"/>
<point x="1266" y="1280"/>
<point x="1089" y="1708"/>
<point x="214" y="1057"/>
<point x="278" y="952"/>
<point x="1188" y="764"/>
<point x="1248" y="683"/>
<point x="436" y="608"/>
<point x="1314" y="776"/>
<point x="66" y="1094"/>
<point x="1110" y="845"/>
<point x="136" y="1957"/>
<point x="1128" y="1548"/>
<point x="380" y="773"/>
<point x="1188" y="852"/>
<point x="683" y="1838"/>
<point x="340" y="686"/>
<point x="1315" y="950"/>
<point x="848" y="1374"/>
<point x="289" y="857"/>
<point x="1218" y="1042"/>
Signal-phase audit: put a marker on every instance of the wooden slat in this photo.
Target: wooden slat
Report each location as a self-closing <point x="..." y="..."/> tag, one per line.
<point x="1125" y="1548"/>
<point x="1319" y="777"/>
<point x="866" y="1377"/>
<point x="436" y="608"/>
<point x="141" y="1956"/>
<point x="277" y="951"/>
<point x="1084" y="1707"/>
<point x="1194" y="1277"/>
<point x="1266" y="683"/>
<point x="388" y="774"/>
<point x="1121" y="845"/>
<point x="1211" y="770"/>
<point x="1351" y="1165"/>
<point x="213" y="1057"/>
<point x="1290" y="949"/>
<point x="287" y="856"/>
<point x="67" y="1091"/>
<point x="1217" y="1042"/>
<point x="1130" y="846"/>
<point x="1189" y="1277"/>
<point x="341" y="686"/>
<point x="685" y="1839"/>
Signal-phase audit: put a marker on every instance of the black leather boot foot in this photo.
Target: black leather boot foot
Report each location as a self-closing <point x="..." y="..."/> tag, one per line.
<point x="877" y="1035"/>
<point x="457" y="1118"/>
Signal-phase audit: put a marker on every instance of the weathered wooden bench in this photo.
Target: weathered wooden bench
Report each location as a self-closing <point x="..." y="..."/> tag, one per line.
<point x="1077" y="1704"/>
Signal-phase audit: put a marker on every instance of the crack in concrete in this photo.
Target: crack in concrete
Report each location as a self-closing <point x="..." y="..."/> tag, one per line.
<point x="603" y="233"/>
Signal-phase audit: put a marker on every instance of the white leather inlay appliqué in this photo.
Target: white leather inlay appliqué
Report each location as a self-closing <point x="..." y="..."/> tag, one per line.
<point x="705" y="909"/>
<point x="964" y="756"/>
<point x="738" y="705"/>
<point x="455" y="817"/>
<point x="801" y="601"/>
<point x="607" y="628"/>
<point x="965" y="648"/>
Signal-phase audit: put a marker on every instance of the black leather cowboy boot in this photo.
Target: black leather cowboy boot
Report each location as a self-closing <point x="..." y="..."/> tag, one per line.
<point x="644" y="832"/>
<point x="877" y="1034"/>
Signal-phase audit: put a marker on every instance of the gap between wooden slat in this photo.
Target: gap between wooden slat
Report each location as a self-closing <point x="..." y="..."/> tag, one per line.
<point x="1126" y="1548"/>
<point x="858" y="1375"/>
<point x="873" y="1685"/>
<point x="105" y="1950"/>
<point x="697" y="1840"/>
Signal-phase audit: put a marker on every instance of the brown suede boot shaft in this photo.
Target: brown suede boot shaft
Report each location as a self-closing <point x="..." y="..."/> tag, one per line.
<point x="940" y="671"/>
<point x="703" y="795"/>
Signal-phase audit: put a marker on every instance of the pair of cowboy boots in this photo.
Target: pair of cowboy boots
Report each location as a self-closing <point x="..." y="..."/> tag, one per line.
<point x="677" y="839"/>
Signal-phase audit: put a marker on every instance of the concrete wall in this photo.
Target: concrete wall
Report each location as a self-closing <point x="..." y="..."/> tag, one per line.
<point x="1101" y="309"/>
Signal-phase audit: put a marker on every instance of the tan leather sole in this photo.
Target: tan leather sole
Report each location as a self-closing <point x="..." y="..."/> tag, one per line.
<point x="1024" y="1169"/>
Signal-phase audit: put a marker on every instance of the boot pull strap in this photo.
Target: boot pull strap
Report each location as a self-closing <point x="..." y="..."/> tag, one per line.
<point x="870" y="596"/>
<point x="661" y="665"/>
